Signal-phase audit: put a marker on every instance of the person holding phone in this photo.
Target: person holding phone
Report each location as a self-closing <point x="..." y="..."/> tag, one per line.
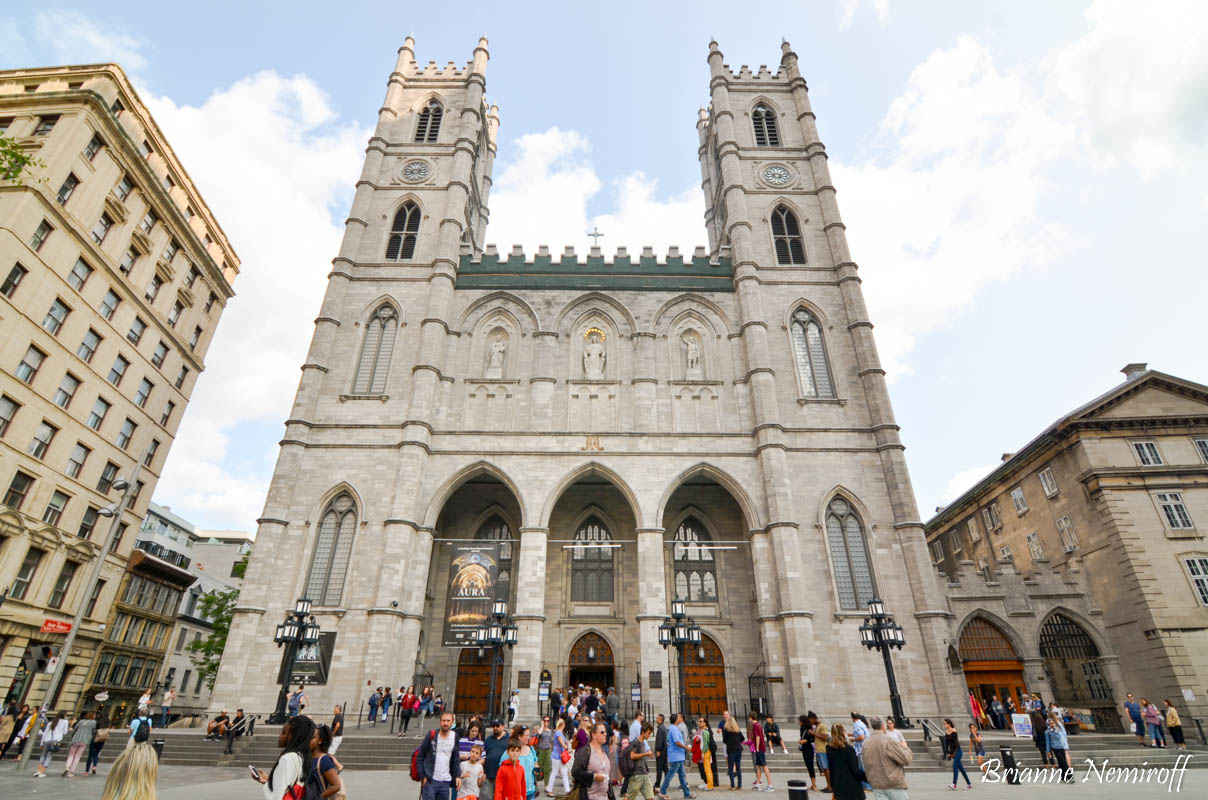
<point x="294" y="765"/>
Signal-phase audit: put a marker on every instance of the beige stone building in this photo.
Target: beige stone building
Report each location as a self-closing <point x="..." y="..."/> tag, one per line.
<point x="713" y="425"/>
<point x="1114" y="496"/>
<point x="114" y="274"/>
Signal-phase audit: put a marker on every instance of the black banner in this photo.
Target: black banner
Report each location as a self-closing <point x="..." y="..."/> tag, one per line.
<point x="472" y="575"/>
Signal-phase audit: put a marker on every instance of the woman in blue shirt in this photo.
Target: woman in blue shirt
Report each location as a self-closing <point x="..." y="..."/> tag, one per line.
<point x="1059" y="745"/>
<point x="528" y="759"/>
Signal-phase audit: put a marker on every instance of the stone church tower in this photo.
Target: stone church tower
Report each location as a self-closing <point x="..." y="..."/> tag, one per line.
<point x="712" y="426"/>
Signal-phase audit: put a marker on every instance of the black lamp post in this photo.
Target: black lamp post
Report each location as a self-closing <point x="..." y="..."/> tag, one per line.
<point x="680" y="631"/>
<point x="880" y="632"/>
<point x="299" y="628"/>
<point x="497" y="633"/>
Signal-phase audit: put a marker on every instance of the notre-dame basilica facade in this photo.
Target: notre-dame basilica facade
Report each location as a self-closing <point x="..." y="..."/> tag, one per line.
<point x="715" y="424"/>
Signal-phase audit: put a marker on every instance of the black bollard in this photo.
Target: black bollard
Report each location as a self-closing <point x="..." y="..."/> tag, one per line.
<point x="797" y="790"/>
<point x="1009" y="765"/>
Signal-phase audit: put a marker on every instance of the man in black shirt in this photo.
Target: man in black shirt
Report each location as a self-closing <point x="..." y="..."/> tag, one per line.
<point x="337" y="731"/>
<point x="660" y="749"/>
<point x="237" y="728"/>
<point x="494" y="746"/>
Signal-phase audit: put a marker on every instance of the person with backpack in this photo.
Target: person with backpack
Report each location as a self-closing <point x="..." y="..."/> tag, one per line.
<point x="635" y="758"/>
<point x="294" y="766"/>
<point x="704" y="752"/>
<point x="374" y="699"/>
<point x="52" y="739"/>
<point x="140" y="727"/>
<point x="494" y="748"/>
<point x="439" y="761"/>
<point x="298" y="701"/>
<point x="326" y="770"/>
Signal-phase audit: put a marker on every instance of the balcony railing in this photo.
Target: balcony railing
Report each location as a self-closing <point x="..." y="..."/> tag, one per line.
<point x="163" y="553"/>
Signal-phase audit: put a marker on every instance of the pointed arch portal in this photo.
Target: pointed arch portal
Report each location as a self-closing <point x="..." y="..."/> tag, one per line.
<point x="705" y="678"/>
<point x="591" y="662"/>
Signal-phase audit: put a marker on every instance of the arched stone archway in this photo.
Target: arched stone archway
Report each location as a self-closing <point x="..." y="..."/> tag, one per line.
<point x="1075" y="673"/>
<point x="992" y="666"/>
<point x="705" y="678"/>
<point x="591" y="663"/>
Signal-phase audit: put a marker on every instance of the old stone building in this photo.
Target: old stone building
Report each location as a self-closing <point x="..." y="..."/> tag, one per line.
<point x="1113" y="496"/>
<point x="711" y="425"/>
<point x="113" y="276"/>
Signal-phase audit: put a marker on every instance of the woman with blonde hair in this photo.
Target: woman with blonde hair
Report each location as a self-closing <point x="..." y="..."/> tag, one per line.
<point x="846" y="777"/>
<point x="133" y="774"/>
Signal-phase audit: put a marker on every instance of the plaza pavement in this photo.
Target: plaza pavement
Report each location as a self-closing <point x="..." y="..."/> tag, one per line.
<point x="184" y="783"/>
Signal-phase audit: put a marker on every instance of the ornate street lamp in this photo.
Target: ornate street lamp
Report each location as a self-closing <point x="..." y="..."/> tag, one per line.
<point x="880" y="632"/>
<point x="296" y="630"/>
<point x="499" y="631"/>
<point x="680" y="631"/>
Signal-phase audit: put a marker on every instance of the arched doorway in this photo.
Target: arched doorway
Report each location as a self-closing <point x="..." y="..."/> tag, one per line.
<point x="1071" y="663"/>
<point x="992" y="667"/>
<point x="474" y="681"/>
<point x="705" y="678"/>
<point x="591" y="663"/>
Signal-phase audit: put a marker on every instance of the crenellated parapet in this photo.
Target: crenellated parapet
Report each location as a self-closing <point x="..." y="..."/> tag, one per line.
<point x="1020" y="594"/>
<point x="672" y="271"/>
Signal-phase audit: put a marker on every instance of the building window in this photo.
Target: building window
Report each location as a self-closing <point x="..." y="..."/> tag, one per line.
<point x="955" y="536"/>
<point x="88" y="522"/>
<point x="144" y="392"/>
<point x="66" y="391"/>
<point x="1201" y="447"/>
<point x="786" y="235"/>
<point x="197" y="686"/>
<point x="849" y="555"/>
<point x="8" y="410"/>
<point x="153" y="288"/>
<point x="97" y="416"/>
<point x="69" y="186"/>
<point x="192" y="277"/>
<point x="809" y="353"/>
<point x="41" y="233"/>
<point x="496" y="530"/>
<point x="148" y="222"/>
<point x="103" y="225"/>
<point x="1197" y="568"/>
<point x="180" y="640"/>
<point x="129" y="260"/>
<point x="119" y="670"/>
<point x="990" y="515"/>
<point x="88" y="346"/>
<point x="161" y="352"/>
<point x="180" y="376"/>
<point x="1004" y="551"/>
<point x="79" y="275"/>
<point x="55" y="317"/>
<point x="151" y="451"/>
<point x="27" y="370"/>
<point x="123" y="188"/>
<point x="169" y="407"/>
<point x="109" y="304"/>
<point x="971" y="525"/>
<point x="376" y="350"/>
<point x="108" y="476"/>
<point x="937" y="551"/>
<point x="1021" y="505"/>
<point x="429" y="122"/>
<point x="178" y="308"/>
<point x="1035" y="547"/>
<point x="403" y="233"/>
<point x="168" y="183"/>
<point x="592" y="563"/>
<point x="1048" y="482"/>
<point x="63" y="584"/>
<point x="13" y="280"/>
<point x="42" y="439"/>
<point x="170" y="251"/>
<point x="75" y="461"/>
<point x="693" y="563"/>
<point x="118" y="370"/>
<point x="1147" y="453"/>
<point x="146" y="149"/>
<point x="45" y="124"/>
<point x="329" y="564"/>
<point x="184" y="681"/>
<point x="1069" y="539"/>
<point x="126" y="433"/>
<point x="25" y="575"/>
<point x="764" y="121"/>
<point x="94" y="146"/>
<point x="135" y="334"/>
<point x="213" y="298"/>
<point x="5" y="123"/>
<point x="1176" y="514"/>
<point x="195" y="338"/>
<point x="17" y="490"/>
<point x="55" y="507"/>
<point x="96" y="594"/>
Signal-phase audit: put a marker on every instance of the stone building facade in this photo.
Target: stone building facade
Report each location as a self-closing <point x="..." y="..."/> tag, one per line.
<point x="1117" y="492"/>
<point x="113" y="276"/>
<point x="712" y="425"/>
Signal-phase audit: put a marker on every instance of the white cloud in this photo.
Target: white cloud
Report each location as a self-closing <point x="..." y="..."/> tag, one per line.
<point x="276" y="168"/>
<point x="962" y="481"/>
<point x="848" y="9"/>
<point x="74" y="38"/>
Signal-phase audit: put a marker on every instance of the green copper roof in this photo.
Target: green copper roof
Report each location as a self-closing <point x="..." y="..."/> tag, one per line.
<point x="645" y="273"/>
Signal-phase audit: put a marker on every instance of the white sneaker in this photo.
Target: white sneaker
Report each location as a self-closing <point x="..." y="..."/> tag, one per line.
<point x="768" y="788"/>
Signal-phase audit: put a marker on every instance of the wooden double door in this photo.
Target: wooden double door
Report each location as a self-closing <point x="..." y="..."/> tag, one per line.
<point x="474" y="682"/>
<point x="705" y="678"/>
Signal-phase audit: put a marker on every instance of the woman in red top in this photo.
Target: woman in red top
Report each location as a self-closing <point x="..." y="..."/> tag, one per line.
<point x="406" y="706"/>
<point x="510" y="780"/>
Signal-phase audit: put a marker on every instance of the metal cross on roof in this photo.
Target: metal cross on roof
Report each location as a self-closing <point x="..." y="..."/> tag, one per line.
<point x="595" y="236"/>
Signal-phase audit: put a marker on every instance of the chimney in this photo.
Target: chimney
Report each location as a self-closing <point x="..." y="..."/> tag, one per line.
<point x="1007" y="457"/>
<point x="1134" y="370"/>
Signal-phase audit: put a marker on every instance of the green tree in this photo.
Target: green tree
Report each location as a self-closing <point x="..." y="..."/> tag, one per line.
<point x="15" y="163"/>
<point x="206" y="654"/>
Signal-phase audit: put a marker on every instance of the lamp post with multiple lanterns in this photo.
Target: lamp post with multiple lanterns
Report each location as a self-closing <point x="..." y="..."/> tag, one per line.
<point x="680" y="631"/>
<point x="499" y="631"/>
<point x="299" y="628"/>
<point x="880" y="632"/>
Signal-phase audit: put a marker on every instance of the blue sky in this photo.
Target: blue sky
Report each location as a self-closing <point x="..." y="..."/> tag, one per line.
<point x="1023" y="182"/>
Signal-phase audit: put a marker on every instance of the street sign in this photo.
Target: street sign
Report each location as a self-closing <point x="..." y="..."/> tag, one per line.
<point x="635" y="692"/>
<point x="55" y="626"/>
<point x="543" y="692"/>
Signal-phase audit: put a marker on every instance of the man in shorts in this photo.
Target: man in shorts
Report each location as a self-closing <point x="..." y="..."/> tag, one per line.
<point x="639" y="784"/>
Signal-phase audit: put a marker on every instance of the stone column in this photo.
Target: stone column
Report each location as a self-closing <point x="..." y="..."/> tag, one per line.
<point x="645" y="384"/>
<point x="767" y="614"/>
<point x="529" y="616"/>
<point x="414" y="592"/>
<point x="652" y="608"/>
<point x="543" y="380"/>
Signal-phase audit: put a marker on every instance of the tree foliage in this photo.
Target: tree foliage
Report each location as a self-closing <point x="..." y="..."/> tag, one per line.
<point x="206" y="654"/>
<point x="15" y="163"/>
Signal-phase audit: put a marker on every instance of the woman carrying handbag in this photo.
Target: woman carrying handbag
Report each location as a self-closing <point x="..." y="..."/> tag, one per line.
<point x="561" y="760"/>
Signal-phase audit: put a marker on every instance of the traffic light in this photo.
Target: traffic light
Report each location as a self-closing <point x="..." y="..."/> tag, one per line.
<point x="40" y="657"/>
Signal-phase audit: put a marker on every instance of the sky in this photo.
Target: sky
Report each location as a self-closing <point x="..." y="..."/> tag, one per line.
<point x="1024" y="183"/>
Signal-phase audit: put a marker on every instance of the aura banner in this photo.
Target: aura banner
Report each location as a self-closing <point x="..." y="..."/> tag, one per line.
<point x="472" y="576"/>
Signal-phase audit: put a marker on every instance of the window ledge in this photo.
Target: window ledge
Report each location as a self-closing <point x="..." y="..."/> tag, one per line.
<point x="836" y="401"/>
<point x="492" y="380"/>
<point x="382" y="397"/>
<point x="585" y="382"/>
<point x="1183" y="533"/>
<point x="696" y="383"/>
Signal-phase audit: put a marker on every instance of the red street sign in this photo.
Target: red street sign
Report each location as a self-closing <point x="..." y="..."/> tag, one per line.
<point x="54" y="626"/>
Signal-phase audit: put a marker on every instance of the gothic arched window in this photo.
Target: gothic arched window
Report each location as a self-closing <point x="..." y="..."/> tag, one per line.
<point x="403" y="232"/>
<point x="694" y="566"/>
<point x="849" y="555"/>
<point x="496" y="530"/>
<point x="374" y="365"/>
<point x="429" y="122"/>
<point x="591" y="567"/>
<point x="786" y="233"/>
<point x="329" y="564"/>
<point x="809" y="353"/>
<point x="765" y="127"/>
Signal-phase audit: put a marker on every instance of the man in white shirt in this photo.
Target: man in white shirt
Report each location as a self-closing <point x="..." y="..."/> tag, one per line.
<point x="166" y="706"/>
<point x="635" y="728"/>
<point x="440" y="761"/>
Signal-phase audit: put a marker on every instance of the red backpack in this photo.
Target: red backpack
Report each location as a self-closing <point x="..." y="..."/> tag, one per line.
<point x="415" y="773"/>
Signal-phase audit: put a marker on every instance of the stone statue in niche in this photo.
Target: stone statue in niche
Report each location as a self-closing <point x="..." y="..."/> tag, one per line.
<point x="692" y="367"/>
<point x="495" y="355"/>
<point x="594" y="356"/>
